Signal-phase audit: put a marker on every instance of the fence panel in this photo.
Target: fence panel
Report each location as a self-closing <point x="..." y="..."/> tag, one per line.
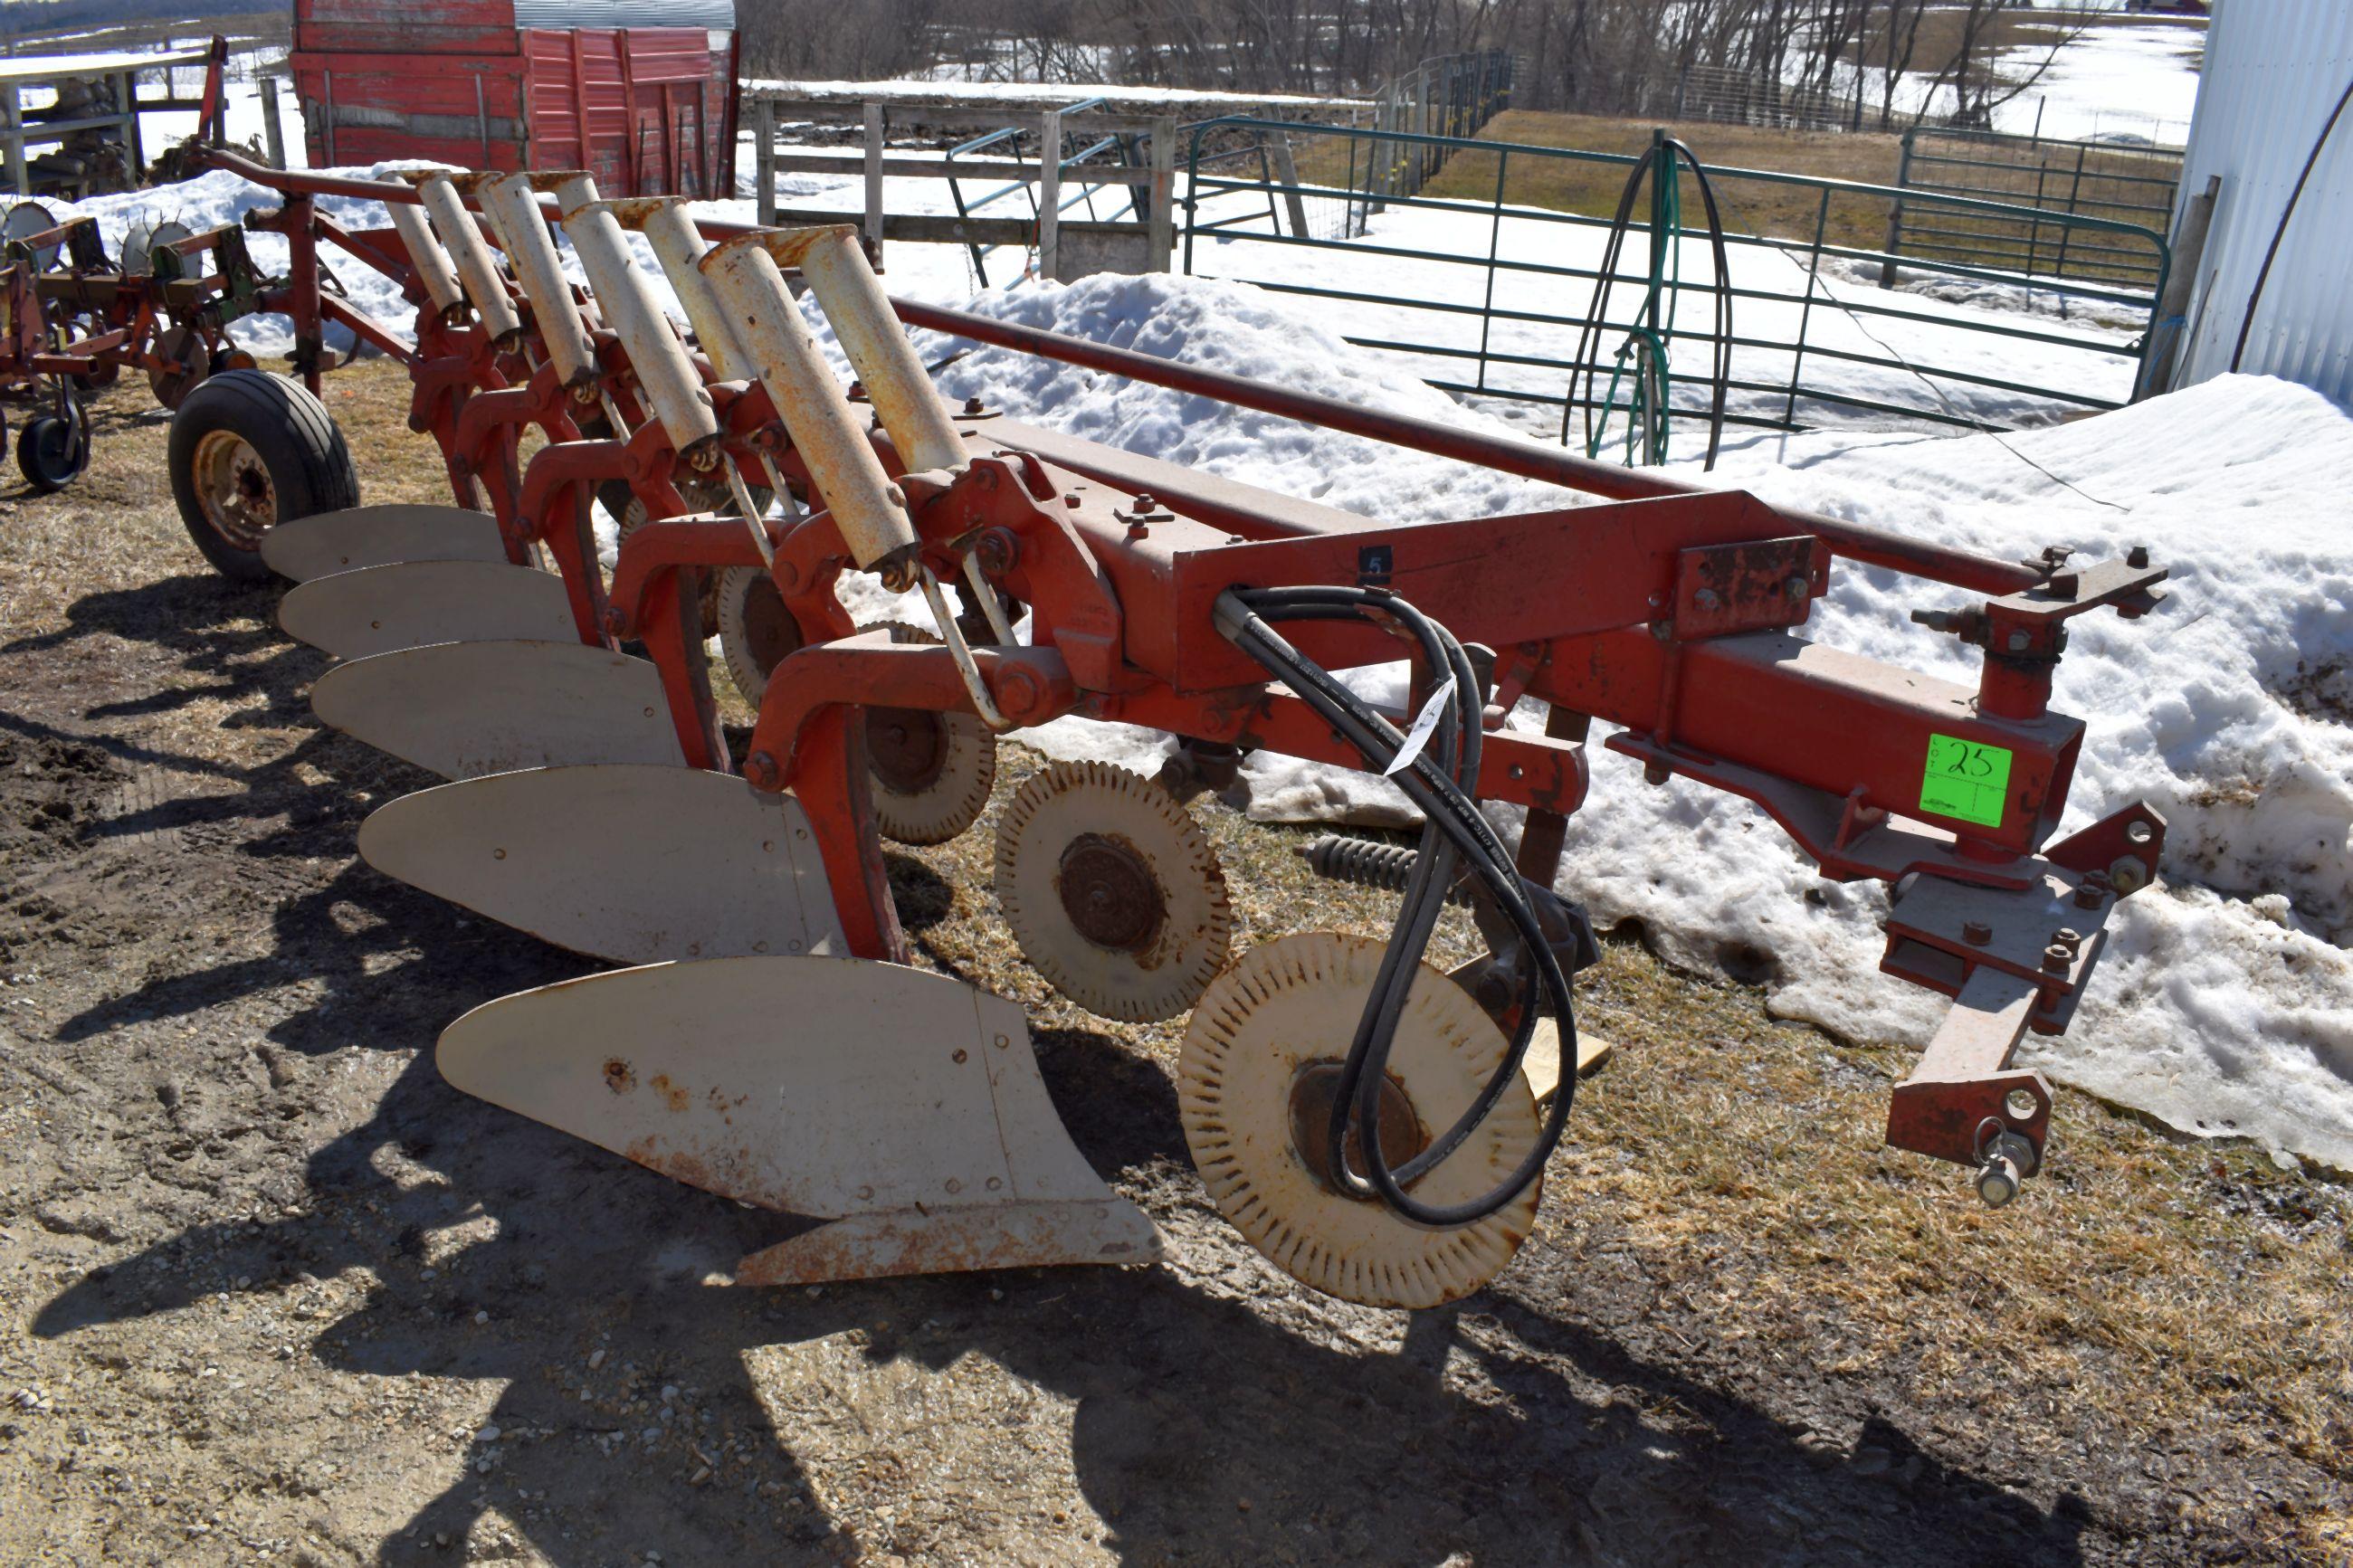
<point x="2100" y="179"/>
<point x="1489" y="300"/>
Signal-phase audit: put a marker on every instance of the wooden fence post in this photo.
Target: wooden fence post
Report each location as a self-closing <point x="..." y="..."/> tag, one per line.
<point x="874" y="183"/>
<point x="1050" y="193"/>
<point x="12" y="126"/>
<point x="1162" y="238"/>
<point x="1286" y="169"/>
<point x="764" y="157"/>
<point x="273" y="129"/>
<point x="1895" y="215"/>
<point x="2168" y="327"/>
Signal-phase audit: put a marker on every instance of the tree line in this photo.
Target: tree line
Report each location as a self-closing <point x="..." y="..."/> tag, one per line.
<point x="1592" y="56"/>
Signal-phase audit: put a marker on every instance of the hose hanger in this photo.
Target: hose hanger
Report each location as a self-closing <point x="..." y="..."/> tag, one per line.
<point x="1642" y="363"/>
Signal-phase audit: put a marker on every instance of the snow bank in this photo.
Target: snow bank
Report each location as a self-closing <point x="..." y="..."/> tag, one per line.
<point x="2226" y="1002"/>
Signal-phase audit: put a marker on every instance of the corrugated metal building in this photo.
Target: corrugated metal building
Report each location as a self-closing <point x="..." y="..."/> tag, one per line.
<point x="641" y="92"/>
<point x="2275" y="71"/>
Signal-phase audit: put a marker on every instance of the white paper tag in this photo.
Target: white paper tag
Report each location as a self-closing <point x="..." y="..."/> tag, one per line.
<point x="1425" y="724"/>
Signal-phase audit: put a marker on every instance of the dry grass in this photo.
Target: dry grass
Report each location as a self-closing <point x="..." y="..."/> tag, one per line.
<point x="2148" y="1295"/>
<point x="1769" y="208"/>
<point x="1753" y="206"/>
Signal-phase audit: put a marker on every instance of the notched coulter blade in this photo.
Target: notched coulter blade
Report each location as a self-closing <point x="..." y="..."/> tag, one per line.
<point x="630" y="863"/>
<point x="362" y="536"/>
<point x="463" y="710"/>
<point x="412" y="604"/>
<point x="903" y="1107"/>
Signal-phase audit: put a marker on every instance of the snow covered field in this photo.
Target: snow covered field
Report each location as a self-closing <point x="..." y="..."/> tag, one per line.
<point x="2122" y="83"/>
<point x="2110" y="84"/>
<point x="2226" y="1002"/>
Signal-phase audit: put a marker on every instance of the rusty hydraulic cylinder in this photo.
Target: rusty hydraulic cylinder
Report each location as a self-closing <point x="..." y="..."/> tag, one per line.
<point x="680" y="401"/>
<point x="875" y="343"/>
<point x="513" y="211"/>
<point x="435" y="271"/>
<point x="869" y="510"/>
<point x="476" y="267"/>
<point x="679" y="247"/>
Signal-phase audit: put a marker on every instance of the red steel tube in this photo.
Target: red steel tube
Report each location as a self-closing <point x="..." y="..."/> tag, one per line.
<point x="1856" y="542"/>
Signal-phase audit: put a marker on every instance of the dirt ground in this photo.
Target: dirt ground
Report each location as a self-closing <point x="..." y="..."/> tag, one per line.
<point x="271" y="1292"/>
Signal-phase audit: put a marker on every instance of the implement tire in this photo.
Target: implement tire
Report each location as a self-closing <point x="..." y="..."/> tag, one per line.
<point x="249" y="450"/>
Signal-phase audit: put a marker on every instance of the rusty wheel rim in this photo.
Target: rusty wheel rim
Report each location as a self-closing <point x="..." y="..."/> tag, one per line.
<point x="1402" y="1134"/>
<point x="770" y="633"/>
<point x="906" y="748"/>
<point x="234" y="490"/>
<point x="1110" y="893"/>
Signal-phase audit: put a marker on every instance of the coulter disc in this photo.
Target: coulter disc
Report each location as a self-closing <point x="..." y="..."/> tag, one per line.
<point x="1112" y="891"/>
<point x="932" y="771"/>
<point x="186" y="359"/>
<point x="466" y="709"/>
<point x="377" y="609"/>
<point x="630" y="863"/>
<point x="302" y="548"/>
<point x="755" y="631"/>
<point x="1260" y="1063"/>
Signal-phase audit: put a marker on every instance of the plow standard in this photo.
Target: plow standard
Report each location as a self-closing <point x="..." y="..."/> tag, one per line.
<point x="1379" y="1129"/>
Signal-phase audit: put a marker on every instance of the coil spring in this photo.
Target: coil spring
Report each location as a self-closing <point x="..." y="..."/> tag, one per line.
<point x="1368" y="864"/>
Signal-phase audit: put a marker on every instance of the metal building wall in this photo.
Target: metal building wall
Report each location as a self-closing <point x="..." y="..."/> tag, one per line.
<point x="2273" y="70"/>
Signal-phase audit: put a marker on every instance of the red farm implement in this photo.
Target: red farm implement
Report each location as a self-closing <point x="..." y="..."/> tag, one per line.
<point x="1377" y="1128"/>
<point x="72" y="318"/>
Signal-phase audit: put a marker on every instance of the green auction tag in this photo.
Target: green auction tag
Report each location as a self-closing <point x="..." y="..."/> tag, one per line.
<point x="1965" y="779"/>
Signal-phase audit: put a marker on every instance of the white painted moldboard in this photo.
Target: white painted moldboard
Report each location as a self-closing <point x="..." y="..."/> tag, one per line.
<point x="2274" y="71"/>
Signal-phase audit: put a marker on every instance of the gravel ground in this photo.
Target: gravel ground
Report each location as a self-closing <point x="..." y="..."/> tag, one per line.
<point x="270" y="1291"/>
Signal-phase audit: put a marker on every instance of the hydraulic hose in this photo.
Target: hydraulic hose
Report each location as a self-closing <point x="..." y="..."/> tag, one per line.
<point x="1442" y="780"/>
<point x="1647" y="405"/>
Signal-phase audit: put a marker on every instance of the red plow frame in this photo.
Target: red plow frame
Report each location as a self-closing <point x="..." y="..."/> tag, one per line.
<point x="1670" y="611"/>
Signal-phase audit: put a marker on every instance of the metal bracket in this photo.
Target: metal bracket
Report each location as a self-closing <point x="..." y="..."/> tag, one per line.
<point x="1963" y="1093"/>
<point x="1846" y="838"/>
<point x="1941" y="934"/>
<point x="1763" y="585"/>
<point x="2120" y="851"/>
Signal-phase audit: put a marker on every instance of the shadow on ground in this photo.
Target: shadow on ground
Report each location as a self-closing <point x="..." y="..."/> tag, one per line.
<point x="1213" y="1415"/>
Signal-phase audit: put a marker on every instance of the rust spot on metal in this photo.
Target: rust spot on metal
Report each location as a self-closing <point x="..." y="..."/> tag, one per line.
<point x="619" y="1076"/>
<point x="786" y="247"/>
<point x="1402" y="1134"/>
<point x="673" y="1094"/>
<point x="1110" y="893"/>
<point x="907" y="748"/>
<point x="735" y="1173"/>
<point x="631" y="212"/>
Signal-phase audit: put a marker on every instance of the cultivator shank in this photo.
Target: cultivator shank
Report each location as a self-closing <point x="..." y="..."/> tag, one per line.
<point x="1368" y="1121"/>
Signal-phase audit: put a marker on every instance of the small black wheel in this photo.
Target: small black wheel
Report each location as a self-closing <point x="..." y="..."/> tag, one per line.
<point x="249" y="450"/>
<point x="51" y="453"/>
